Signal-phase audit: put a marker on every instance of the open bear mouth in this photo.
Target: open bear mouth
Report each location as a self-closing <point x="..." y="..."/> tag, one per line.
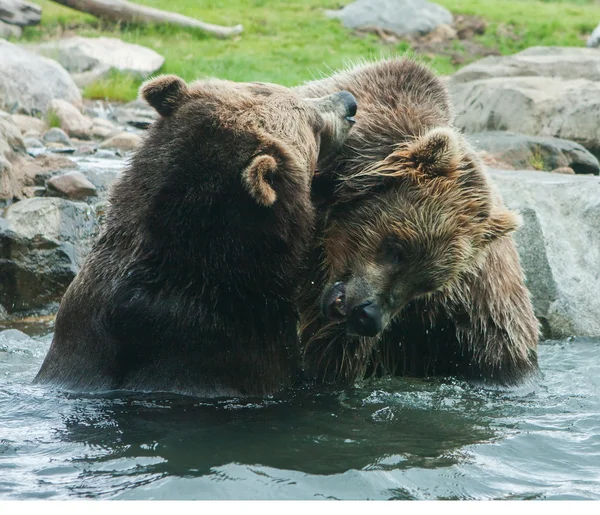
<point x="334" y="302"/>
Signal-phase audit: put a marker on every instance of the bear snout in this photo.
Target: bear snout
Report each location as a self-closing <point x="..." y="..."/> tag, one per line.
<point x="365" y="319"/>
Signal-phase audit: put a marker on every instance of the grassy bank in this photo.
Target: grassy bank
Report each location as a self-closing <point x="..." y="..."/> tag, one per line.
<point x="290" y="41"/>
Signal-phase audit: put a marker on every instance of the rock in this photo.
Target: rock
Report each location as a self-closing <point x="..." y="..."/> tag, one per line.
<point x="521" y="151"/>
<point x="32" y="142"/>
<point x="28" y="82"/>
<point x="71" y="120"/>
<point x="556" y="62"/>
<point x="28" y="123"/>
<point x="137" y="114"/>
<point x="9" y="31"/>
<point x="72" y="185"/>
<point x="567" y="170"/>
<point x="18" y="12"/>
<point x="56" y="135"/>
<point x="43" y="242"/>
<point x="102" y="128"/>
<point x="543" y="91"/>
<point x="12" y="154"/>
<point x="45" y="166"/>
<point x="33" y="191"/>
<point x="125" y="141"/>
<point x="594" y="39"/>
<point x="541" y="106"/>
<point x="559" y="246"/>
<point x="401" y="17"/>
<point x="96" y="57"/>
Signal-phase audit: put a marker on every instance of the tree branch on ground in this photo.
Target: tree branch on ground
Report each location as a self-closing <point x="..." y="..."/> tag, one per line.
<point x="122" y="11"/>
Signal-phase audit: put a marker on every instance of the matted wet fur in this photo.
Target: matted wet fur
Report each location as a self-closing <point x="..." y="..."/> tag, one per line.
<point x="408" y="221"/>
<point x="191" y="286"/>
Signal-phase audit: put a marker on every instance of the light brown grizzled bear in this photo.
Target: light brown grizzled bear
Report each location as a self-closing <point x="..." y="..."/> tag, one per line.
<point x="413" y="270"/>
<point x="191" y="286"/>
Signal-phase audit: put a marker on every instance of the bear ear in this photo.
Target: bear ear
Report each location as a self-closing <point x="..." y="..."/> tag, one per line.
<point x="438" y="152"/>
<point x="257" y="177"/>
<point x="500" y="223"/>
<point x="165" y="93"/>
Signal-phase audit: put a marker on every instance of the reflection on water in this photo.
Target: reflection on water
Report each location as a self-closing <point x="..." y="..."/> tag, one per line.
<point x="389" y="439"/>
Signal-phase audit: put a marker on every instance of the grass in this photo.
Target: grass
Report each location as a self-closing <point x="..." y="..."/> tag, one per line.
<point x="537" y="160"/>
<point x="52" y="119"/>
<point x="291" y="41"/>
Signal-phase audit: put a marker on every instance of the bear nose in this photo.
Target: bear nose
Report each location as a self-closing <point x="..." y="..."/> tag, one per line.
<point x="365" y="319"/>
<point x="350" y="104"/>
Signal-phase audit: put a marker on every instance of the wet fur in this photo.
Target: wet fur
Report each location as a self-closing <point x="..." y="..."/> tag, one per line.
<point x="480" y="325"/>
<point x="191" y="286"/>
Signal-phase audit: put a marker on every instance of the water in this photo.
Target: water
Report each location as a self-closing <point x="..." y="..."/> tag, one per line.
<point x="388" y="439"/>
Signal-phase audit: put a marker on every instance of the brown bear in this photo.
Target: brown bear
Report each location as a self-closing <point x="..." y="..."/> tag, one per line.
<point x="413" y="270"/>
<point x="191" y="286"/>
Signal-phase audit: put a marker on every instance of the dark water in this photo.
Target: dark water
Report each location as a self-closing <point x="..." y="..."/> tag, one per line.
<point x="391" y="439"/>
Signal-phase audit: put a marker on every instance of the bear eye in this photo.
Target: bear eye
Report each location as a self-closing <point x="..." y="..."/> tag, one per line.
<point x="393" y="251"/>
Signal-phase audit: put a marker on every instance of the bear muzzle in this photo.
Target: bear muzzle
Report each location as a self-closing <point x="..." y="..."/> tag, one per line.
<point x="364" y="319"/>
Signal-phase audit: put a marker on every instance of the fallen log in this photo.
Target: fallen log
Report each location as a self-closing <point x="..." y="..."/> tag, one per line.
<point x="18" y="12"/>
<point x="119" y="10"/>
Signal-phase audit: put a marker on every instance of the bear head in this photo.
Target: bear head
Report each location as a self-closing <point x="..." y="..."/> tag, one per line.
<point x="265" y="130"/>
<point x="409" y="226"/>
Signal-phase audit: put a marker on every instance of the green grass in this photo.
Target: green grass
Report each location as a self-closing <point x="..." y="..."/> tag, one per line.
<point x="52" y="119"/>
<point x="291" y="41"/>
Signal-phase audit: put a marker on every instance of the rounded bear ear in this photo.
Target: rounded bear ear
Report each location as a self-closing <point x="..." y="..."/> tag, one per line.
<point x="165" y="93"/>
<point x="256" y="178"/>
<point x="500" y="223"/>
<point x="438" y="152"/>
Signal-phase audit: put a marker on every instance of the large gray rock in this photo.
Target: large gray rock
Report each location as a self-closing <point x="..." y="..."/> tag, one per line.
<point x="522" y="151"/>
<point x="540" y="91"/>
<point x="28" y="82"/>
<point x="559" y="246"/>
<point x="18" y="12"/>
<point x="568" y="109"/>
<point x="43" y="242"/>
<point x="96" y="57"/>
<point x="401" y="17"/>
<point x="555" y="62"/>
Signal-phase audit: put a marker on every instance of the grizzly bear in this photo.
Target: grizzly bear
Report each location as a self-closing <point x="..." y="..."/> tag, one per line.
<point x="413" y="270"/>
<point x="191" y="285"/>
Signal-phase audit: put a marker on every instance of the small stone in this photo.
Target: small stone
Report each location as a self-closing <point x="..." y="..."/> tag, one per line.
<point x="28" y="123"/>
<point x="564" y="169"/>
<point x="71" y="120"/>
<point x="33" y="134"/>
<point x="85" y="150"/>
<point x="33" y="143"/>
<point x="125" y="141"/>
<point x="45" y="166"/>
<point x="63" y="150"/>
<point x="33" y="191"/>
<point x="56" y="135"/>
<point x="72" y="185"/>
<point x="102" y="128"/>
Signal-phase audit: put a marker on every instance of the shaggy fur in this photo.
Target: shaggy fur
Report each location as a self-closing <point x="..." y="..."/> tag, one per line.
<point x="190" y="288"/>
<point x="407" y="219"/>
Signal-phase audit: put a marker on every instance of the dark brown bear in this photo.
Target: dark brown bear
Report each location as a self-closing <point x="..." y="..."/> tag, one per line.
<point x="190" y="288"/>
<point x="413" y="269"/>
